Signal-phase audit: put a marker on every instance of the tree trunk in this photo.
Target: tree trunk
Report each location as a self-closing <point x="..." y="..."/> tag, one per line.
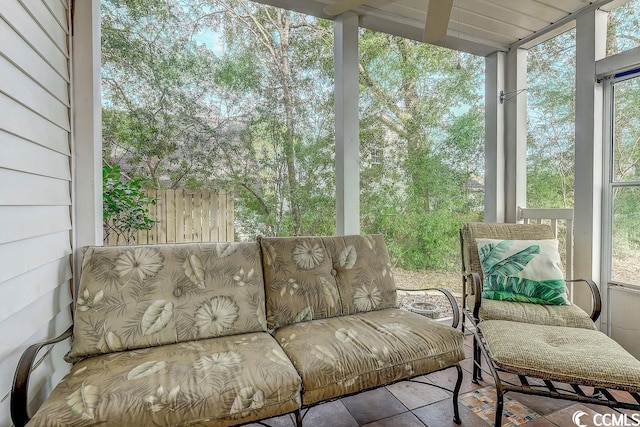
<point x="289" y="142"/>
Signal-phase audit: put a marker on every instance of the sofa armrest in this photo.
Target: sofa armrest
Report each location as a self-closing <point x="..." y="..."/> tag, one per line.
<point x="596" y="300"/>
<point x="454" y="305"/>
<point x="20" y="387"/>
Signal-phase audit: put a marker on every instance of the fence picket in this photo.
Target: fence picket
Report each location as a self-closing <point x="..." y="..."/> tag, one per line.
<point x="230" y="218"/>
<point x="186" y="217"/>
<point x="161" y="216"/>
<point x="206" y="230"/>
<point x="214" y="224"/>
<point x="151" y="235"/>
<point x="170" y="196"/>
<point x="197" y="217"/>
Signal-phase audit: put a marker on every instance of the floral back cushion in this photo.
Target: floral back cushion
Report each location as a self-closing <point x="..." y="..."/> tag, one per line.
<point x="300" y="282"/>
<point x="310" y="278"/>
<point x="522" y="271"/>
<point x="141" y="296"/>
<point x="363" y="272"/>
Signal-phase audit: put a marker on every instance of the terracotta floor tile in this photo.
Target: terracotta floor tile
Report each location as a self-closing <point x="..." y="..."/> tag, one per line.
<point x="331" y="413"/>
<point x="468" y="351"/>
<point x="440" y="414"/>
<point x="467" y="365"/>
<point x="623" y="396"/>
<point x="373" y="405"/>
<point x="606" y="410"/>
<point x="542" y="405"/>
<point x="282" y="421"/>
<point x="564" y="417"/>
<point x="468" y="339"/>
<point x="413" y="395"/>
<point x="483" y="403"/>
<point x="406" y="419"/>
<point x="541" y="422"/>
<point x="447" y="378"/>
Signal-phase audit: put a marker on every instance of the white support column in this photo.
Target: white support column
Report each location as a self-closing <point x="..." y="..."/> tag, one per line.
<point x="591" y="35"/>
<point x="86" y="128"/>
<point x="494" y="178"/>
<point x="516" y="134"/>
<point x="347" y="124"/>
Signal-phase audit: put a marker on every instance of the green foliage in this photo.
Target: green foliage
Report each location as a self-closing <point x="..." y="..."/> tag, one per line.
<point x="157" y="88"/>
<point x="626" y="221"/>
<point x="420" y="242"/>
<point x="125" y="206"/>
<point x="256" y="115"/>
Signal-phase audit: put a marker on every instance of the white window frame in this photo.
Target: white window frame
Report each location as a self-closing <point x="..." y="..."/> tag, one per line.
<point x="609" y="185"/>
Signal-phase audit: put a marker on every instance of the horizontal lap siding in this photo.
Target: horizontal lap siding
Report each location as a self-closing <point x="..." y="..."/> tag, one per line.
<point x="35" y="190"/>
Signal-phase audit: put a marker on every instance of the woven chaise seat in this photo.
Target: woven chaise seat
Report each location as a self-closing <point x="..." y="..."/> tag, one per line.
<point x="555" y="315"/>
<point x="556" y="353"/>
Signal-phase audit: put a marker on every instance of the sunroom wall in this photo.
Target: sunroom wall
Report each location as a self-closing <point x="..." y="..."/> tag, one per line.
<point x="35" y="195"/>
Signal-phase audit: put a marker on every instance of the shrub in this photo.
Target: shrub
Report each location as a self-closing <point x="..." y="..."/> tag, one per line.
<point x="125" y="206"/>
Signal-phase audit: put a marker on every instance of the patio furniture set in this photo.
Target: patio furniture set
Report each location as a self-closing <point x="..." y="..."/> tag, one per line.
<point x="232" y="333"/>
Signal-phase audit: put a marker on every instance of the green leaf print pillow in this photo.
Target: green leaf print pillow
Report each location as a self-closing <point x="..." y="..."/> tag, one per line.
<point x="522" y="271"/>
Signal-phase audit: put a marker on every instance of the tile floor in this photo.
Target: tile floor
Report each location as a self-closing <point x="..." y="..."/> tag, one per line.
<point x="409" y="404"/>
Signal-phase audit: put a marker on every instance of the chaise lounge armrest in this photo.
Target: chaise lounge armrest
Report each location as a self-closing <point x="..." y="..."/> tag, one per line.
<point x="454" y="305"/>
<point x="20" y="388"/>
<point x="596" y="300"/>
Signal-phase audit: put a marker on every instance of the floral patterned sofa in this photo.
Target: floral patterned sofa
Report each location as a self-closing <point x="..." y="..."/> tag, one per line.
<point x="228" y="333"/>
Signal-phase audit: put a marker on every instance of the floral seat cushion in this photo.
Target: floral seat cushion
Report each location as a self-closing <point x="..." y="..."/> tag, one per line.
<point x="348" y="354"/>
<point x="213" y="382"/>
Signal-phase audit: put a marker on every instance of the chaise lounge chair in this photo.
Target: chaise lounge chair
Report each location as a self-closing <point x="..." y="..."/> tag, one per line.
<point x="533" y="339"/>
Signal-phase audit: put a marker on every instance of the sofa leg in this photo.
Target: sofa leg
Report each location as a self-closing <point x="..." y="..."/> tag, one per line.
<point x="456" y="394"/>
<point x="477" y="362"/>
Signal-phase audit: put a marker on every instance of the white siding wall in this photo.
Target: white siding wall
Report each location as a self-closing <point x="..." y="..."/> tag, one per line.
<point x="35" y="188"/>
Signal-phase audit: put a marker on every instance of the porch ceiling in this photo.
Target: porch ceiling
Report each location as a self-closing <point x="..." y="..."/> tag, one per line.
<point x="480" y="27"/>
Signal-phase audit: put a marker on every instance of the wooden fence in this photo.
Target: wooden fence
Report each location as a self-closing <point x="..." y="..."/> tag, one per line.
<point x="184" y="216"/>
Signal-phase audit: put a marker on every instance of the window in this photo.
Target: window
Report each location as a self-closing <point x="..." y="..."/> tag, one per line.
<point x="622" y="201"/>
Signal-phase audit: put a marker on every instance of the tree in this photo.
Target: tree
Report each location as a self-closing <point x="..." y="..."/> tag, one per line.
<point x="551" y="109"/>
<point x="551" y="122"/>
<point x="158" y="85"/>
<point x="285" y="178"/>
<point x="426" y="115"/>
